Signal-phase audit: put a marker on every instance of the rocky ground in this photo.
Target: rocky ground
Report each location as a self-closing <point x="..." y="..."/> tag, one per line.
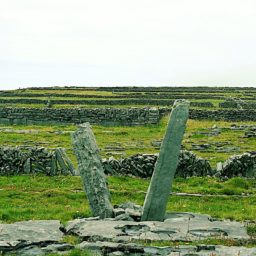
<point x="124" y="235"/>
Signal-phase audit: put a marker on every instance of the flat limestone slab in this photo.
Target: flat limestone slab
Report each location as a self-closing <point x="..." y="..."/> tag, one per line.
<point x="29" y="232"/>
<point x="110" y="248"/>
<point x="177" y="227"/>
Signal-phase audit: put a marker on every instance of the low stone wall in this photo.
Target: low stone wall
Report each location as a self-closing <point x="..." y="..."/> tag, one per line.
<point x="142" y="165"/>
<point x="238" y="105"/>
<point x="113" y="116"/>
<point x="34" y="160"/>
<point x="104" y="116"/>
<point x="107" y="102"/>
<point x="223" y="114"/>
<point x="238" y="166"/>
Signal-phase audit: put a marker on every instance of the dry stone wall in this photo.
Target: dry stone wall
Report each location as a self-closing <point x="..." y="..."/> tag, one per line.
<point x="113" y="116"/>
<point x="223" y="114"/>
<point x="238" y="166"/>
<point x="104" y="116"/>
<point x="238" y="104"/>
<point x="142" y="165"/>
<point x="39" y="160"/>
<point x="168" y="101"/>
<point x="34" y="160"/>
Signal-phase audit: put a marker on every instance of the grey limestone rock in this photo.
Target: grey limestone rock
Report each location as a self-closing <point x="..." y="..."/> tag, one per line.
<point x="176" y="227"/>
<point x="165" y="168"/>
<point x="110" y="248"/>
<point x="66" y="165"/>
<point x="91" y="171"/>
<point x="25" y="233"/>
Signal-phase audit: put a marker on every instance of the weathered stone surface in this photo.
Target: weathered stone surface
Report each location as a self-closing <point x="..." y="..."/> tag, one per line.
<point x="131" y="249"/>
<point x="64" y="162"/>
<point x="40" y="249"/>
<point x="176" y="227"/>
<point x="110" y="237"/>
<point x="25" y="233"/>
<point x="161" y="182"/>
<point x="91" y="170"/>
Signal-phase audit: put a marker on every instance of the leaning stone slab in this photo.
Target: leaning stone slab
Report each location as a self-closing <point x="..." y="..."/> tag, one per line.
<point x="91" y="170"/>
<point x="177" y="227"/>
<point x="167" y="162"/>
<point x="64" y="162"/>
<point x="21" y="234"/>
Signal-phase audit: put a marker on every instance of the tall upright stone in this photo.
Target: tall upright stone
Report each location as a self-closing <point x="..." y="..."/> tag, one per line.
<point x="91" y="170"/>
<point x="163" y="175"/>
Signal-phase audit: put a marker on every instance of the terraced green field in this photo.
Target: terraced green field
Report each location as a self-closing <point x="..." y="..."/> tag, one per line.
<point x="40" y="197"/>
<point x="195" y="94"/>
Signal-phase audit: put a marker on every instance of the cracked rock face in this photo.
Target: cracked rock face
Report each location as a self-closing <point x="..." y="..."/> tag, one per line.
<point x="177" y="226"/>
<point x="110" y="248"/>
<point x="22" y="234"/>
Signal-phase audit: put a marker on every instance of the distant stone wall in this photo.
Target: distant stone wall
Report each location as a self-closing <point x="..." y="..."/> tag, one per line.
<point x="239" y="105"/>
<point x="107" y="102"/>
<point x="104" y="116"/>
<point x="113" y="116"/>
<point x="223" y="114"/>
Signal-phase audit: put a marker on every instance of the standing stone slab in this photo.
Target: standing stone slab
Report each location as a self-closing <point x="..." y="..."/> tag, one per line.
<point x="162" y="178"/>
<point x="91" y="170"/>
<point x="64" y="162"/>
<point x="27" y="166"/>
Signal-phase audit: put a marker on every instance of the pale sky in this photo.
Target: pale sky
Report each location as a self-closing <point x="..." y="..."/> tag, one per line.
<point x="127" y="42"/>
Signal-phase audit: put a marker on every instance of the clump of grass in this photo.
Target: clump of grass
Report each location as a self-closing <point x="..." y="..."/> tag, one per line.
<point x="70" y="239"/>
<point x="251" y="230"/>
<point x="238" y="182"/>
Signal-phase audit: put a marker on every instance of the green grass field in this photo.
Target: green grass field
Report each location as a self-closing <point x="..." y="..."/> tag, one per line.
<point x="41" y="197"/>
<point x="133" y="139"/>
